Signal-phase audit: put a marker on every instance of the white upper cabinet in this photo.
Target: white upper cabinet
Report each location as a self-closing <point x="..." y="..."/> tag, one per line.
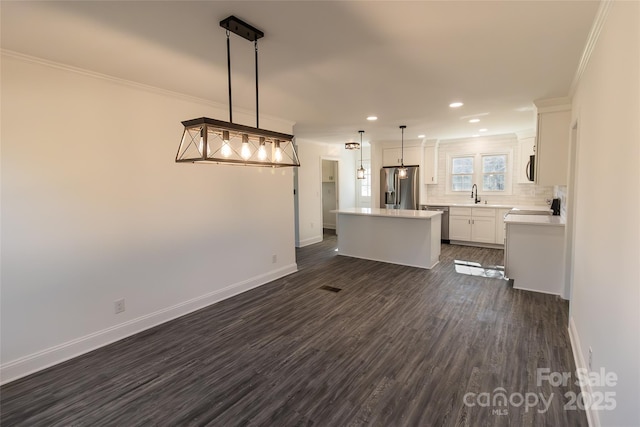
<point x="552" y="143"/>
<point x="431" y="164"/>
<point x="393" y="156"/>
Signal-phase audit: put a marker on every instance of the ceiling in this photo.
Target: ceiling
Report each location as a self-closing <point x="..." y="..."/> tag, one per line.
<point x="327" y="65"/>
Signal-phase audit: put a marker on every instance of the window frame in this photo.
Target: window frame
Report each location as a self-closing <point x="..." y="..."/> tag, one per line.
<point x="483" y="173"/>
<point x="452" y="175"/>
<point x="478" y="174"/>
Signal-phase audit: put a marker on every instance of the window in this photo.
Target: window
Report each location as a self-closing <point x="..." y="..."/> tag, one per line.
<point x="461" y="173"/>
<point x="494" y="168"/>
<point x="490" y="169"/>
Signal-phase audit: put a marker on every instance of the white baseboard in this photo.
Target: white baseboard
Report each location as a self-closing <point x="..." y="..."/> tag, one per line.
<point x="388" y="262"/>
<point x="537" y="290"/>
<point x="592" y="416"/>
<point x="476" y="244"/>
<point x="310" y="241"/>
<point x="38" y="361"/>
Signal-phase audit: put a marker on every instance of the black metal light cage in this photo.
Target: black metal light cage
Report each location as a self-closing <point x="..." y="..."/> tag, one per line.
<point x="206" y="140"/>
<point x="214" y="141"/>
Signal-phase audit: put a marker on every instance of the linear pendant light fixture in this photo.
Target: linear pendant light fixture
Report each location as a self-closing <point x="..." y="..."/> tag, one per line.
<point x="402" y="170"/>
<point x="361" y="170"/>
<point x="206" y="140"/>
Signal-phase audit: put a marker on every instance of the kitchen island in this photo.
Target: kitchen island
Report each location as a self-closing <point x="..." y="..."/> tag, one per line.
<point x="397" y="236"/>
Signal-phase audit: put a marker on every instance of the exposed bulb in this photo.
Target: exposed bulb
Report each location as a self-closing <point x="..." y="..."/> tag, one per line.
<point x="278" y="153"/>
<point x="245" y="151"/>
<point x="262" y="150"/>
<point x="360" y="174"/>
<point x="201" y="144"/>
<point x="226" y="148"/>
<point x="402" y="172"/>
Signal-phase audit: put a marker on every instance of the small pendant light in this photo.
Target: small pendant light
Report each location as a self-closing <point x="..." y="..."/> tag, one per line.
<point x="361" y="170"/>
<point x="402" y="170"/>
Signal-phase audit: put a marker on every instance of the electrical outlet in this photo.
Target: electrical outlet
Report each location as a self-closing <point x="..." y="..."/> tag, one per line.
<point x="118" y="306"/>
<point x="311" y="224"/>
<point x="274" y="258"/>
<point x="590" y="363"/>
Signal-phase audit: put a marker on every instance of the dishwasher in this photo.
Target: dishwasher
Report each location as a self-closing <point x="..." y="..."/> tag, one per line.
<point x="444" y="232"/>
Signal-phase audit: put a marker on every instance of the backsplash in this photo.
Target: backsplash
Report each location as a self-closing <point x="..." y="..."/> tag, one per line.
<point x="526" y="194"/>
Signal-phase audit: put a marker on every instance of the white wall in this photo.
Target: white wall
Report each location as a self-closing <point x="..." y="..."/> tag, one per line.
<point x="94" y="209"/>
<point x="605" y="308"/>
<point x="310" y="186"/>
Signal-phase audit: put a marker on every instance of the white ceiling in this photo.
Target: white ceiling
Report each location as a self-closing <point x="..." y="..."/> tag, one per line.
<point x="326" y="65"/>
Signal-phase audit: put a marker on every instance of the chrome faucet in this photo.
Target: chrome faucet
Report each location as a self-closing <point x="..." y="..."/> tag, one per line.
<point x="476" y="199"/>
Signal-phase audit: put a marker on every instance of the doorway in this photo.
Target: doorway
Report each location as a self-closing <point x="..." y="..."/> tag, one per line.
<point x="329" y="192"/>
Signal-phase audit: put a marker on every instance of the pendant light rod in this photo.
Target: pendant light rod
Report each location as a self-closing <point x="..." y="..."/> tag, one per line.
<point x="255" y="43"/>
<point x="403" y="127"/>
<point x="229" y="76"/>
<point x="361" y="132"/>
<point x="248" y="32"/>
<point x="360" y="173"/>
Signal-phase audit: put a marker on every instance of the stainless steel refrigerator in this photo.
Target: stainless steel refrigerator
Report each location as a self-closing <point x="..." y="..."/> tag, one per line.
<point x="396" y="193"/>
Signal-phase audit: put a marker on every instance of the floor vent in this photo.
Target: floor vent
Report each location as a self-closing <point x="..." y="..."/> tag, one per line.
<point x="329" y="288"/>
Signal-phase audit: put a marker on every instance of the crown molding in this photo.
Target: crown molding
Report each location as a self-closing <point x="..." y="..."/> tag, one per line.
<point x="140" y="86"/>
<point x="483" y="138"/>
<point x="592" y="39"/>
<point x="526" y="133"/>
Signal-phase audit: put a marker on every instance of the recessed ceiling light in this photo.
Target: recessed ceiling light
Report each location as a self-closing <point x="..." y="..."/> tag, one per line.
<point x="372" y="118"/>
<point x="475" y="136"/>
<point x="421" y="136"/>
<point x="483" y="130"/>
<point x="474" y="120"/>
<point x="456" y="104"/>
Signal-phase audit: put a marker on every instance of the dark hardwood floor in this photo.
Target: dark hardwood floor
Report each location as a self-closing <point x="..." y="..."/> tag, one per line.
<point x="396" y="346"/>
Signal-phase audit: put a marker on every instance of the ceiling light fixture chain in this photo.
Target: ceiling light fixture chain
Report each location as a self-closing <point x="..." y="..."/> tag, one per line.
<point x="206" y="140"/>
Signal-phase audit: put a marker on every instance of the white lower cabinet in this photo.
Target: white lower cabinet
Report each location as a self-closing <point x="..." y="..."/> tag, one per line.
<point x="534" y="257"/>
<point x="460" y="227"/>
<point x="472" y="224"/>
<point x="483" y="229"/>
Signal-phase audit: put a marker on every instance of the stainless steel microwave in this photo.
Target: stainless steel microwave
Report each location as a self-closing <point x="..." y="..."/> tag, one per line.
<point x="531" y="168"/>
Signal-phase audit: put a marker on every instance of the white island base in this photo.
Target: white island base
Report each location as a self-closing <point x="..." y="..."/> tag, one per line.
<point x="396" y="236"/>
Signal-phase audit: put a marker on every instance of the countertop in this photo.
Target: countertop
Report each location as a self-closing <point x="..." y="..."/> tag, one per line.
<point x="535" y="220"/>
<point x="392" y="213"/>
<point x="493" y="206"/>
